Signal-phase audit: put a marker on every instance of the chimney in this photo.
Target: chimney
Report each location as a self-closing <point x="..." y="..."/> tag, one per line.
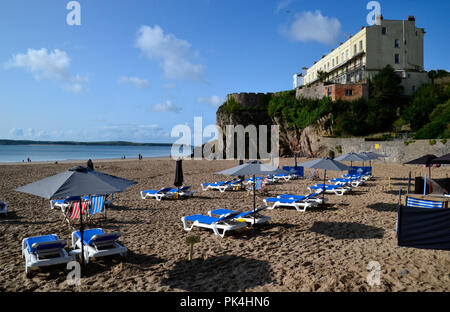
<point x="323" y="55"/>
<point x="411" y="18"/>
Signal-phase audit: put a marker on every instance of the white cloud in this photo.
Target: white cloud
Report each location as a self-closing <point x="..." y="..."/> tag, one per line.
<point x="313" y="26"/>
<point x="137" y="82"/>
<point x="172" y="53"/>
<point x="213" y="100"/>
<point x="166" y="106"/>
<point x="53" y="65"/>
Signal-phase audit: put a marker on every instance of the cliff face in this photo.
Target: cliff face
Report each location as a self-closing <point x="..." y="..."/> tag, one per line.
<point x="251" y="109"/>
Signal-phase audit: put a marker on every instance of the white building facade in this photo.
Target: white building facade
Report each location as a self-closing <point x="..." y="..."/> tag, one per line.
<point x="398" y="43"/>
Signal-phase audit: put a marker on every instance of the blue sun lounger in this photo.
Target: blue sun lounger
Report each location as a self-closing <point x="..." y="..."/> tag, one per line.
<point x="242" y="216"/>
<point x="183" y="191"/>
<point x="40" y="251"/>
<point x="98" y="244"/>
<point x="159" y="194"/>
<point x="223" y="186"/>
<point x="355" y="182"/>
<point x="336" y="189"/>
<point x="224" y="224"/>
<point x="310" y="197"/>
<point x="298" y="204"/>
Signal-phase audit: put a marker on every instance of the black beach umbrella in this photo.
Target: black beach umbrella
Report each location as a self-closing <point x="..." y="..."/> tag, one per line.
<point x="253" y="168"/>
<point x="325" y="164"/>
<point x="424" y="160"/>
<point x="442" y="160"/>
<point x="76" y="182"/>
<point x="295" y="161"/>
<point x="179" y="174"/>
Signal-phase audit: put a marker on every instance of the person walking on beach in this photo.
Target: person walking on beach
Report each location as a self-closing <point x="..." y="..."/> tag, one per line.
<point x="90" y="164"/>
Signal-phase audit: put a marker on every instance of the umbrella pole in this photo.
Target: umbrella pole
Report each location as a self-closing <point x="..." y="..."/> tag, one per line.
<point x="323" y="192"/>
<point x="254" y="203"/>
<point x="81" y="240"/>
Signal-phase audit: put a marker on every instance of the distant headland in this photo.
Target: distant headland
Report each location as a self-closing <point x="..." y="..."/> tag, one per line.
<point x="105" y="143"/>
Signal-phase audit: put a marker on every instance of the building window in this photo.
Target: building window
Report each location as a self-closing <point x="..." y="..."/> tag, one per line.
<point x="346" y="55"/>
<point x="332" y="62"/>
<point x="342" y="57"/>
<point x="383" y="31"/>
<point x="397" y="58"/>
<point x="397" y="43"/>
<point x="329" y="91"/>
<point x="337" y="60"/>
<point x="348" y="92"/>
<point x="414" y="88"/>
<point x="360" y="45"/>
<point x="354" y="49"/>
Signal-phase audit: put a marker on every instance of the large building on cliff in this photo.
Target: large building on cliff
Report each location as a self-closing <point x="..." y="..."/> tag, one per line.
<point x="398" y="43"/>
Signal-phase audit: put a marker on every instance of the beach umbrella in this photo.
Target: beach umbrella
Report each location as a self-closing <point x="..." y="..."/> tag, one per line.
<point x="424" y="160"/>
<point x="295" y="161"/>
<point x="178" y="174"/>
<point x="253" y="168"/>
<point x="351" y="157"/>
<point x="75" y="183"/>
<point x="442" y="160"/>
<point x="325" y="164"/>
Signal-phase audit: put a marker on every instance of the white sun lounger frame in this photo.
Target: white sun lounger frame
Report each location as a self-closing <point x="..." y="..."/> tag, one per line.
<point x="224" y="226"/>
<point x="92" y="250"/>
<point x="32" y="259"/>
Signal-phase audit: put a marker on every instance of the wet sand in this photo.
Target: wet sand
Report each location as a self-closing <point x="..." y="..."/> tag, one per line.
<point x="322" y="249"/>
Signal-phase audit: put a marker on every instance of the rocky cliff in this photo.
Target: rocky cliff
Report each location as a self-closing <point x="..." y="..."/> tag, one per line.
<point x="251" y="109"/>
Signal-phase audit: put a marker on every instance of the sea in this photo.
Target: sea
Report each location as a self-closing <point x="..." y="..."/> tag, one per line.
<point x="21" y="153"/>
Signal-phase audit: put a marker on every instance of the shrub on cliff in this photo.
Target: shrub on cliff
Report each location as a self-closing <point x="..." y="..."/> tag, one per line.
<point x="231" y="106"/>
<point x="439" y="125"/>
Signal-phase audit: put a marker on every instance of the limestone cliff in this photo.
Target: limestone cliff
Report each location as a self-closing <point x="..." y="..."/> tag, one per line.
<point x="251" y="109"/>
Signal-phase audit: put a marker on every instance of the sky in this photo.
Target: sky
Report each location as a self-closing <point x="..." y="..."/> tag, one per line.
<point x="133" y="70"/>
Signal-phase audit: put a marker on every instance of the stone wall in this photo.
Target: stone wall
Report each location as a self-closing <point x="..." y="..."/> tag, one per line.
<point x="396" y="150"/>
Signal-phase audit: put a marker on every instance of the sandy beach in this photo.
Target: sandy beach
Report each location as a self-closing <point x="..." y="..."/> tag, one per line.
<point x="322" y="249"/>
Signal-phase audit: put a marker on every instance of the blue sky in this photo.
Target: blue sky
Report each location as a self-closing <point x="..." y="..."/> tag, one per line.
<point x="134" y="69"/>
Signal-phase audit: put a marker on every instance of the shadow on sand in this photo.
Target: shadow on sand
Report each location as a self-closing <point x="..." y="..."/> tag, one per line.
<point x="347" y="230"/>
<point x="228" y="273"/>
<point x="384" y="207"/>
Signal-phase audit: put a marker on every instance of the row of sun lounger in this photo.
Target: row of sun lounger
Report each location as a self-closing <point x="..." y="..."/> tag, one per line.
<point x="47" y="250"/>
<point x="50" y="250"/>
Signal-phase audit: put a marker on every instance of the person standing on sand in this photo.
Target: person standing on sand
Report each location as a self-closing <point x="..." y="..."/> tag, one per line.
<point x="90" y="164"/>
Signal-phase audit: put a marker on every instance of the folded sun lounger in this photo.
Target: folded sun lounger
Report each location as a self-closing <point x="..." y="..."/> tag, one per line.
<point x="224" y="224"/>
<point x="160" y="194"/>
<point x="242" y="216"/>
<point x="98" y="244"/>
<point x="42" y="251"/>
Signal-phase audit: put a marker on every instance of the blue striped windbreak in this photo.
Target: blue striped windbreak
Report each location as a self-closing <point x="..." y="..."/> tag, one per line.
<point x="421" y="203"/>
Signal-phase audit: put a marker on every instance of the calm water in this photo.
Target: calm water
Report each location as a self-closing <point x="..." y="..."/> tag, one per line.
<point x="17" y="153"/>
